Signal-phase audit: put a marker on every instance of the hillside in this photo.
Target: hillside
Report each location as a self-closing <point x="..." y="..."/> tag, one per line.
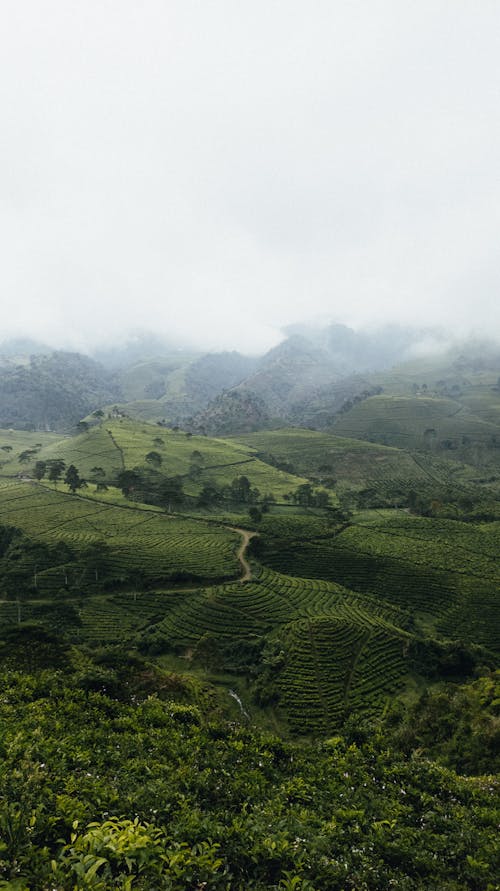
<point x="334" y="594"/>
<point x="292" y="604"/>
<point x="115" y="445"/>
<point x="53" y="392"/>
<point x="314" y="378"/>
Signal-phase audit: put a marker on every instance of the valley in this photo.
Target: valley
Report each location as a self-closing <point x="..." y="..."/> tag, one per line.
<point x="296" y="588"/>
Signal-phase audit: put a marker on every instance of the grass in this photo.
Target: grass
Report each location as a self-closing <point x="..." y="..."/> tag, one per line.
<point x="15" y="442"/>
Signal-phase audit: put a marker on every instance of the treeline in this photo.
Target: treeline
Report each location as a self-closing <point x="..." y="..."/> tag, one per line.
<point x="431" y="500"/>
<point x="149" y="485"/>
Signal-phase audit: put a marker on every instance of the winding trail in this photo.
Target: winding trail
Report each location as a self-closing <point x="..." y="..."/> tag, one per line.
<point x="246" y="535"/>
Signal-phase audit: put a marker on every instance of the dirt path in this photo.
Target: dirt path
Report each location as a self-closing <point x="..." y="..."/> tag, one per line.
<point x="245" y="536"/>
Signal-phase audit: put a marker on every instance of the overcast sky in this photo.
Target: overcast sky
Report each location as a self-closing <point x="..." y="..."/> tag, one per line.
<point x="217" y="169"/>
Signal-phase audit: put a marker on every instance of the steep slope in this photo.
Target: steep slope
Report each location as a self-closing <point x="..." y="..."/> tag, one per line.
<point x="53" y="392"/>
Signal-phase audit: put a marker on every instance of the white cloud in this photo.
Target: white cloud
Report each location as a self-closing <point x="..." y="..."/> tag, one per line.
<point x="217" y="170"/>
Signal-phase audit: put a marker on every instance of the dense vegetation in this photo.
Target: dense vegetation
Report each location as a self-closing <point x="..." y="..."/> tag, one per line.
<point x="111" y="777"/>
<point x="53" y="392"/>
<point x="264" y="661"/>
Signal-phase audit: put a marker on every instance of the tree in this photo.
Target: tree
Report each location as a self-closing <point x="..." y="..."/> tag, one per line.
<point x="170" y="492"/>
<point x="127" y="481"/>
<point x="26" y="456"/>
<point x="72" y="479"/>
<point x="322" y="499"/>
<point x="56" y="466"/>
<point x="303" y="495"/>
<point x="97" y="559"/>
<point x="154" y="458"/>
<point x="240" y="489"/>
<point x="207" y="652"/>
<point x="209" y="494"/>
<point x="40" y="469"/>
<point x="255" y="514"/>
<point x="267" y="500"/>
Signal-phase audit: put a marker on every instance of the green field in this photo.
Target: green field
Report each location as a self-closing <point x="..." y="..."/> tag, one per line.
<point x="355" y="465"/>
<point x="328" y="624"/>
<point x="418" y="423"/>
<point x="115" y="445"/>
<point x="141" y="543"/>
<point x="14" y="442"/>
<point x="326" y="455"/>
<point x="435" y="569"/>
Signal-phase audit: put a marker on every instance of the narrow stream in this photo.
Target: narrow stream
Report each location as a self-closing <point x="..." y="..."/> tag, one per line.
<point x="238" y="700"/>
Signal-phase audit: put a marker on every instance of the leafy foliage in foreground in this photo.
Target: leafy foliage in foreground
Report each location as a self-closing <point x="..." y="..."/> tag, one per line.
<point x="458" y="724"/>
<point x="99" y="792"/>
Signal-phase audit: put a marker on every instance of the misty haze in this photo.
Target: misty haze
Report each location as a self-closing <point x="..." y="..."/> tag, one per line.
<point x="249" y="445"/>
<point x="216" y="172"/>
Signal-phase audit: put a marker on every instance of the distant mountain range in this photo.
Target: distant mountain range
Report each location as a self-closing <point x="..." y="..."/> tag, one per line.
<point x="54" y="391"/>
<point x="310" y="378"/>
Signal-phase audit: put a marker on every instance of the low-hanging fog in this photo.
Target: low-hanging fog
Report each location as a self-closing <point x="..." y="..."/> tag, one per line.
<point x="214" y="171"/>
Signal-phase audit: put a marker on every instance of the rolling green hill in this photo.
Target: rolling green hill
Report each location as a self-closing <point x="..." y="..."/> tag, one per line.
<point x="435" y="570"/>
<point x="115" y="445"/>
<point x="350" y="462"/>
<point x="365" y="473"/>
<point x="343" y="611"/>
<point x="418" y="422"/>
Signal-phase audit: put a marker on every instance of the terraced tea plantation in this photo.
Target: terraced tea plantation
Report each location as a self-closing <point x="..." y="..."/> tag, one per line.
<point x="321" y="454"/>
<point x="354" y="465"/>
<point x="139" y="543"/>
<point x="416" y="423"/>
<point x="430" y="568"/>
<point x="336" y="611"/>
<point x="340" y="650"/>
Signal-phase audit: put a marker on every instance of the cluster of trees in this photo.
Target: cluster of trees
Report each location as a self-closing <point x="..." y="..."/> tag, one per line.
<point x="33" y="569"/>
<point x="151" y="487"/>
<point x="306" y="496"/>
<point x="54" y="468"/>
<point x="446" y="503"/>
<point x="359" y="397"/>
<point x="438" y="500"/>
<point x="239" y="491"/>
